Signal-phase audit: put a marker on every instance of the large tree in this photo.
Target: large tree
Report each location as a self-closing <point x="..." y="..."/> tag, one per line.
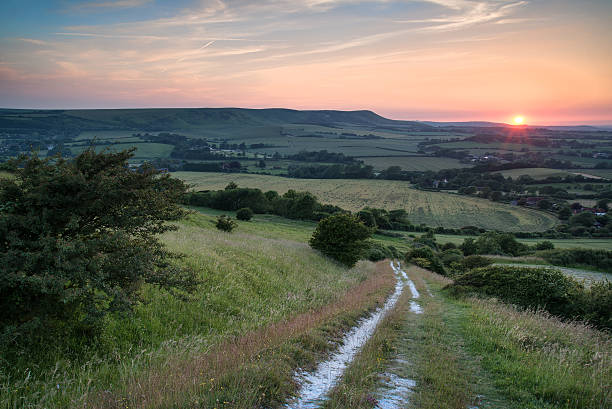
<point x="78" y="238"/>
<point x="341" y="236"/>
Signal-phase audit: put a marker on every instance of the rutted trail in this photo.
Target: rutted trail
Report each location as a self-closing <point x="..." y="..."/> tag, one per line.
<point x="397" y="387"/>
<point x="316" y="385"/>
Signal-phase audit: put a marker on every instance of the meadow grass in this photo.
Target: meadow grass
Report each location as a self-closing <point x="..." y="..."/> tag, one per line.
<point x="256" y="369"/>
<point x="249" y="281"/>
<point x="431" y="208"/>
<point x="480" y="352"/>
<point x="539" y="361"/>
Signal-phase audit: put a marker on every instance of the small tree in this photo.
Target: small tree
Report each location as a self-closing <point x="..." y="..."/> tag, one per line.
<point x="225" y="223"/>
<point x="244" y="214"/>
<point x="565" y="213"/>
<point x="342" y="237"/>
<point x="77" y="240"/>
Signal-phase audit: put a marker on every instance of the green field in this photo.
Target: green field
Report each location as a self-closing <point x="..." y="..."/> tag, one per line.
<point x="597" y="244"/>
<point x="431" y="208"/>
<point x="536" y="173"/>
<point x="144" y="151"/>
<point x="602" y="173"/>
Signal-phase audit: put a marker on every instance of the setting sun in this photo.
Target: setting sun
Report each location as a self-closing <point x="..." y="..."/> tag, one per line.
<point x="518" y="120"/>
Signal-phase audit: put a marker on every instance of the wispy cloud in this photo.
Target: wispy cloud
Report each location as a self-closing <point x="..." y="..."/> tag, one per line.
<point x="33" y="41"/>
<point x="116" y="4"/>
<point x="467" y="13"/>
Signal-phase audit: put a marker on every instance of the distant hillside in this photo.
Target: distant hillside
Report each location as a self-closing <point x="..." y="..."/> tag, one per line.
<point x="192" y="119"/>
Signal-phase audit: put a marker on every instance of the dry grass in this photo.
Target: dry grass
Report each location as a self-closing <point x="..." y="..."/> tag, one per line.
<point x="179" y="379"/>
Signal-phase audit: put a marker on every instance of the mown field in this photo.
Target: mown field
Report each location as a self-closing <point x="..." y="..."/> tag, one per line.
<point x="431" y="208"/>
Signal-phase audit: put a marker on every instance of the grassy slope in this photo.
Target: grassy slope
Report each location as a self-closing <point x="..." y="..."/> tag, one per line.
<point x="432" y="208"/>
<point x="256" y="276"/>
<point x="483" y="353"/>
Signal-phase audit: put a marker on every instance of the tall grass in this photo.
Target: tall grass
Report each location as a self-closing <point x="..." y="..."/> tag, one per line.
<point x="540" y="361"/>
<point x="249" y="281"/>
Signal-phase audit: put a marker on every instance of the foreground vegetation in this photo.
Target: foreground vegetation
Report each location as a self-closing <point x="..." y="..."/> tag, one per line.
<point x="248" y="281"/>
<point x="473" y="351"/>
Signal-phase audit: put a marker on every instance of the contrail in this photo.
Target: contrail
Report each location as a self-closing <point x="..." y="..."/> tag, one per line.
<point x="208" y="44"/>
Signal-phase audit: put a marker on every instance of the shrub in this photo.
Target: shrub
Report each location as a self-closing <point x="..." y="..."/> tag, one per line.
<point x="600" y="259"/>
<point x="244" y="214"/>
<point x="416" y="255"/>
<point x="451" y="256"/>
<point x="448" y="246"/>
<point x="475" y="261"/>
<point x="342" y="237"/>
<point x="428" y="239"/>
<point x="527" y="287"/>
<point x="544" y="245"/>
<point x="599" y="305"/>
<point x="225" y="223"/>
<point x="77" y="240"/>
<point x="378" y="251"/>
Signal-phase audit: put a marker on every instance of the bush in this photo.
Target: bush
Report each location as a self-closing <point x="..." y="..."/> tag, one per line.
<point x="225" y="223"/>
<point x="475" y="261"/>
<point x="600" y="259"/>
<point x="77" y="240"/>
<point x="342" y="237"/>
<point x="448" y="246"/>
<point x="378" y="251"/>
<point x="451" y="256"/>
<point x="493" y="243"/>
<point x="599" y="306"/>
<point x="527" y="287"/>
<point x="417" y="255"/>
<point x="544" y="245"/>
<point x="428" y="239"/>
<point x="244" y="214"/>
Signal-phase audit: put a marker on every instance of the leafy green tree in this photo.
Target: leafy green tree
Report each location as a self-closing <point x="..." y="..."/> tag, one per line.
<point x="367" y="218"/>
<point x="565" y="213"/>
<point x="585" y="219"/>
<point x="231" y="186"/>
<point x="603" y="204"/>
<point x="225" y="223"/>
<point x="342" y="237"/>
<point x="544" y="204"/>
<point x="469" y="247"/>
<point x="244" y="214"/>
<point x="77" y="240"/>
<point x="544" y="245"/>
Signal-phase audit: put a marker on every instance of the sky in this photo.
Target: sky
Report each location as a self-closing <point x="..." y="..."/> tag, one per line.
<point x="443" y="60"/>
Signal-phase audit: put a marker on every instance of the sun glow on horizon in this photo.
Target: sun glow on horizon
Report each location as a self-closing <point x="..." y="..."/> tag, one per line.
<point x="518" y="120"/>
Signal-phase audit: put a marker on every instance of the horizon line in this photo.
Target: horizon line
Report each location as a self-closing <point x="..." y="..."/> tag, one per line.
<point x="595" y="124"/>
